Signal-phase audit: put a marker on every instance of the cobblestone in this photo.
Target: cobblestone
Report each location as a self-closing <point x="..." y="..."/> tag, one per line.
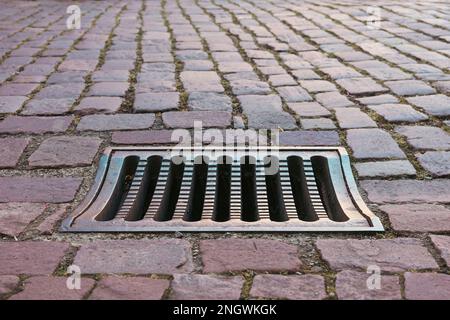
<point x="240" y="254"/>
<point x="48" y="106"/>
<point x="11" y="104"/>
<point x="15" y="217"/>
<point x="158" y="101"/>
<point x="201" y="81"/>
<point x="309" y="109"/>
<point x="443" y="245"/>
<point x="52" y="288"/>
<point x="319" y="123"/>
<point x="109" y="89"/>
<point x="242" y="87"/>
<point x="265" y="112"/>
<point x="333" y="100"/>
<point x="409" y="87"/>
<point x="309" y="138"/>
<point x="37" y="125"/>
<point x="437" y="162"/>
<point x="382" y="191"/>
<point x="304" y="287"/>
<point x="116" y="122"/>
<point x="8" y="284"/>
<point x="350" y="118"/>
<point x="163" y="256"/>
<point x="201" y="101"/>
<point x="10" y="151"/>
<point x="353" y="285"/>
<point x="50" y="223"/>
<point x="38" y="189"/>
<point x="17" y="89"/>
<point x="316" y="86"/>
<point x="58" y="91"/>
<point x="385" y="168"/>
<point x="341" y="72"/>
<point x="99" y="104"/>
<point x="398" y="113"/>
<point x="179" y="119"/>
<point x="360" y="86"/>
<point x="206" y="287"/>
<point x="418" y="217"/>
<point x="424" y="137"/>
<point x="373" y="143"/>
<point x="427" y="286"/>
<point x="389" y="254"/>
<point x="129" y="288"/>
<point x="30" y="257"/>
<point x="294" y="94"/>
<point x="65" y="152"/>
<point x="436" y="105"/>
<point x="143" y="137"/>
<point x="379" y="99"/>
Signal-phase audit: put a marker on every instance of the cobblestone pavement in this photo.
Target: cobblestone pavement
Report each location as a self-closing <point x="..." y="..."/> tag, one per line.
<point x="136" y="70"/>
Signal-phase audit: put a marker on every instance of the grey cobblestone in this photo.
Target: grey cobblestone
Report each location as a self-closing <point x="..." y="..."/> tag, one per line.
<point x="349" y="118"/>
<point x="158" y="101"/>
<point x="398" y="113"/>
<point x="199" y="101"/>
<point x="424" y="137"/>
<point x="379" y="99"/>
<point x="308" y="109"/>
<point x="361" y="86"/>
<point x="332" y="100"/>
<point x="116" y="122"/>
<point x="437" y="162"/>
<point x="385" y="168"/>
<point x="373" y="143"/>
<point x="48" y="106"/>
<point x="409" y="87"/>
<point x="437" y="105"/>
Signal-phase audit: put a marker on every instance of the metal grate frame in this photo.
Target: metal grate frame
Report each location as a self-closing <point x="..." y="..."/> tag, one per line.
<point x="141" y="190"/>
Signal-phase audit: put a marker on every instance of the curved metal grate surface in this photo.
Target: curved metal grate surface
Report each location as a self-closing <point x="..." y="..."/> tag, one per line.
<point x="163" y="189"/>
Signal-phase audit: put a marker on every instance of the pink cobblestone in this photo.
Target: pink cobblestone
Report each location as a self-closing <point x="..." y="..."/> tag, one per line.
<point x="241" y="254"/>
<point x="162" y="256"/>
<point x="31" y="257"/>
<point x="293" y="287"/>
<point x="129" y="288"/>
<point x="52" y="288"/>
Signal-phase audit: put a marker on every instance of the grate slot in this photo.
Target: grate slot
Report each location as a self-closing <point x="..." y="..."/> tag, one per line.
<point x="235" y="193"/>
<point x="277" y="209"/>
<point x="249" y="202"/>
<point x="146" y="189"/>
<point x="198" y="187"/>
<point x="222" y="198"/>
<point x="261" y="190"/>
<point x="302" y="198"/>
<point x="159" y="189"/>
<point x="122" y="183"/>
<point x="326" y="189"/>
<point x="172" y="190"/>
<point x="210" y="191"/>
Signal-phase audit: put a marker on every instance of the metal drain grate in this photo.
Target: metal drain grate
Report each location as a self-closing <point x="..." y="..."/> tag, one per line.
<point x="152" y="190"/>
